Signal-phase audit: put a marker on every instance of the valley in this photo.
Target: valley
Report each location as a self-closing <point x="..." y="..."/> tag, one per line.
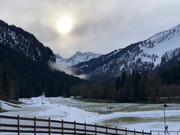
<point x="123" y="115"/>
<point x="112" y="63"/>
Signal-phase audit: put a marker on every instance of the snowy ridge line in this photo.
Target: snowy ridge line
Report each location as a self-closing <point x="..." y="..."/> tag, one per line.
<point x="143" y="56"/>
<point x="13" y="124"/>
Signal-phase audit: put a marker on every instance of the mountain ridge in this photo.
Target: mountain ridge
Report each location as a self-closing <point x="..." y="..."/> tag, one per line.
<point x="24" y="42"/>
<point x="143" y="56"/>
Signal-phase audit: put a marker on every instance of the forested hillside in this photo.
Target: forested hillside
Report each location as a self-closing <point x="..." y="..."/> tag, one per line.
<point x="24" y="69"/>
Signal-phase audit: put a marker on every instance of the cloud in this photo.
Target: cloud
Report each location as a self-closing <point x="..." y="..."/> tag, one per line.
<point x="67" y="70"/>
<point x="99" y="25"/>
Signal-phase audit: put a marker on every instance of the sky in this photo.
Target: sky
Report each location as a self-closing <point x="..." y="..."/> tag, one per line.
<point x="99" y="26"/>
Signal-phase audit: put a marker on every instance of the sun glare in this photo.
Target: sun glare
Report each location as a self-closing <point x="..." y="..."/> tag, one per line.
<point x="64" y="25"/>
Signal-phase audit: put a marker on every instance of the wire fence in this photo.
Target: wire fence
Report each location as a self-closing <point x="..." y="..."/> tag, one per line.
<point x="35" y="126"/>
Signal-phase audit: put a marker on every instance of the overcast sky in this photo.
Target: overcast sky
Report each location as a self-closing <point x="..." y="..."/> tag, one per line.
<point x="100" y="26"/>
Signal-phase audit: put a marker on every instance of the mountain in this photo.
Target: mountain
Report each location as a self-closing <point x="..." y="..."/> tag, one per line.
<point x="76" y="58"/>
<point x="143" y="56"/>
<point x="24" y="68"/>
<point x="24" y="43"/>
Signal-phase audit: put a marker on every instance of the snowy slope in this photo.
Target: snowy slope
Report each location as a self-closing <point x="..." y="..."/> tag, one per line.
<point x="65" y="108"/>
<point x="143" y="56"/>
<point x="76" y="58"/>
<point x="160" y="44"/>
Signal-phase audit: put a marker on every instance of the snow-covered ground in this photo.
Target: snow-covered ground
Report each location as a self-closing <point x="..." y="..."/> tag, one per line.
<point x="123" y="115"/>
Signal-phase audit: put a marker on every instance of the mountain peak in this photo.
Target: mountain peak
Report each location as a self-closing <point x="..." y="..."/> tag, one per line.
<point x="77" y="58"/>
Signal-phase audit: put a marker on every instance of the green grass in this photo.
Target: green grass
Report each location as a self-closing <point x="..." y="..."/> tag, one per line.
<point x="138" y="120"/>
<point x="107" y="108"/>
<point x="100" y="112"/>
<point x="125" y="119"/>
<point x="131" y="120"/>
<point x="128" y="108"/>
<point x="92" y="100"/>
<point x="173" y="118"/>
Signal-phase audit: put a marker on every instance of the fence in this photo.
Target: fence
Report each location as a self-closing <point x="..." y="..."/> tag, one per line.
<point x="154" y="132"/>
<point x="17" y="125"/>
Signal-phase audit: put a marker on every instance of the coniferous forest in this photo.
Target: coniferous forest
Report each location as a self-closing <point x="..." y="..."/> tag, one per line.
<point x="23" y="77"/>
<point x="159" y="86"/>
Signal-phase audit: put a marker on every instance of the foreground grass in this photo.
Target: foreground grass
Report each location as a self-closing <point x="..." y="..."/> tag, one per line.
<point x="92" y="100"/>
<point x="107" y="108"/>
<point x="128" y="120"/>
<point x="103" y="107"/>
<point x="135" y="120"/>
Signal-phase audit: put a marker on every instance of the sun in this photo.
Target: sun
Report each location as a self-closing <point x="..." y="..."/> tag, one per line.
<point x="64" y="25"/>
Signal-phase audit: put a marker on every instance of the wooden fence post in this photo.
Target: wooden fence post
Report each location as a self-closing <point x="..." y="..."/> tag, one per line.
<point x="49" y="123"/>
<point x="18" y="124"/>
<point x="62" y="128"/>
<point x="142" y="132"/>
<point x="151" y="132"/>
<point x="85" y="128"/>
<point x="134" y="132"/>
<point x="34" y="125"/>
<point x="74" y="127"/>
<point x="106" y="130"/>
<point x="125" y="131"/>
<point x="116" y="131"/>
<point x="95" y="129"/>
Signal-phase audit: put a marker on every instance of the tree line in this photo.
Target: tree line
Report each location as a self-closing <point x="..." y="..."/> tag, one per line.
<point x="160" y="86"/>
<point x="23" y="77"/>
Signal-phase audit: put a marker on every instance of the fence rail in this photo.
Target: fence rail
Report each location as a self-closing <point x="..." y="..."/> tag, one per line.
<point x="157" y="132"/>
<point x="12" y="124"/>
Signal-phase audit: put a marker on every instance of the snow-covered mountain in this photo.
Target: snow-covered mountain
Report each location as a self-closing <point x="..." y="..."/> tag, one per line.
<point x="143" y="56"/>
<point x="76" y="58"/>
<point x="24" y="43"/>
